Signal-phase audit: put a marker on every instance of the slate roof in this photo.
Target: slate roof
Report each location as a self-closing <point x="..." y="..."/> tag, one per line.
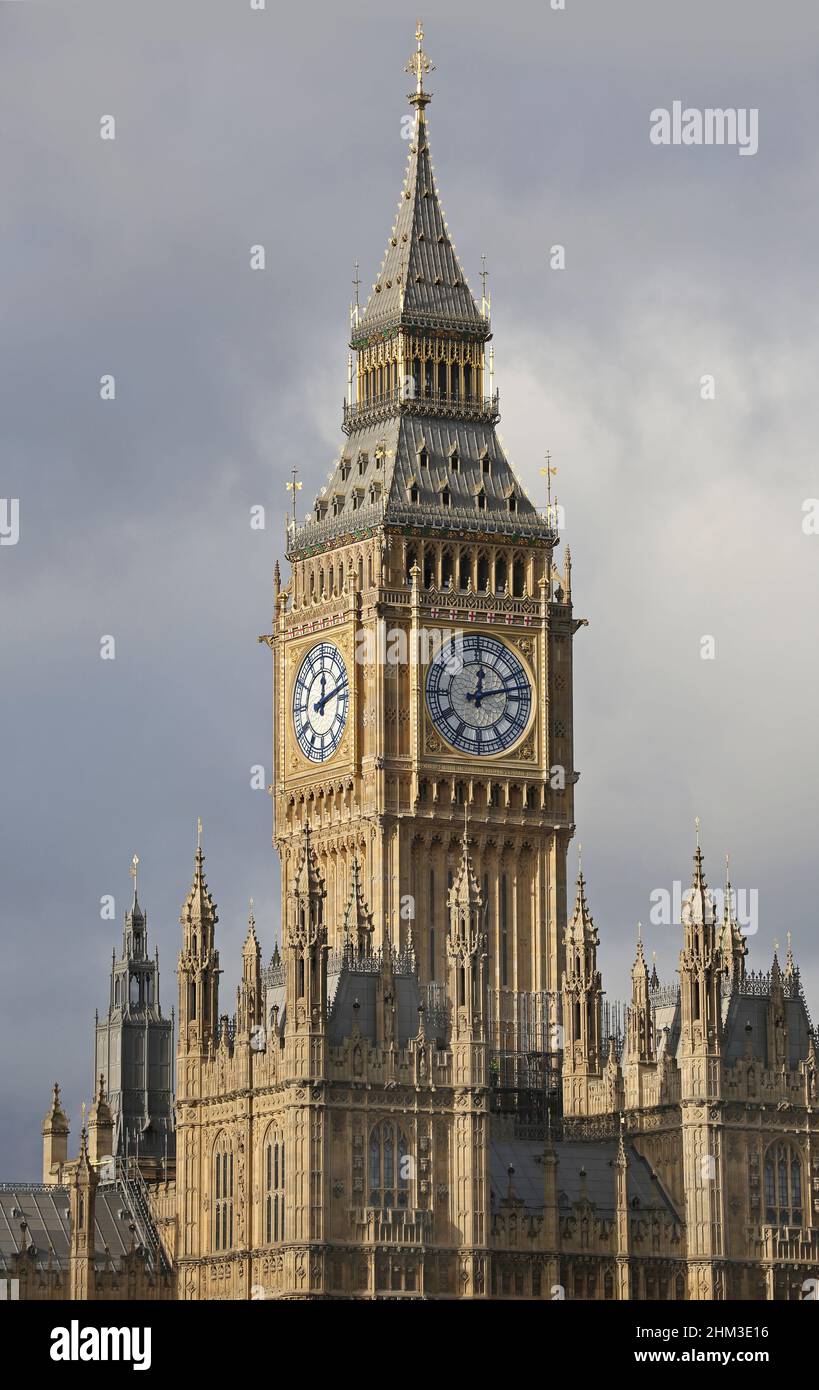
<point x="420" y="284"/>
<point x="354" y="985"/>
<point x="45" y="1212"/>
<point x="596" y="1158"/>
<point x="420" y="281"/>
<point x="390" y="454"/>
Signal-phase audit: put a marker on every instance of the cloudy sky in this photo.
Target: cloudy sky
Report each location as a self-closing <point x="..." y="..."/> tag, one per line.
<point x="131" y="257"/>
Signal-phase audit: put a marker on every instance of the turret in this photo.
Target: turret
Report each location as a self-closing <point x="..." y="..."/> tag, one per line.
<point x="639" y="1022"/>
<point x="622" y="1217"/>
<point x="306" y="946"/>
<point x="582" y="996"/>
<point x="198" y="968"/>
<point x="699" y="1056"/>
<point x="249" y="992"/>
<point x="732" y="944"/>
<point x="55" y="1140"/>
<point x="358" y="920"/>
<point x="777" y="1020"/>
<point x="100" y="1127"/>
<point x="700" y="995"/>
<point x="467" y="953"/>
<point x="82" y="1191"/>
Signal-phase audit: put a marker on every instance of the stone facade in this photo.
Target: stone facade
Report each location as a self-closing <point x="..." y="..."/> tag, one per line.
<point x="422" y="1094"/>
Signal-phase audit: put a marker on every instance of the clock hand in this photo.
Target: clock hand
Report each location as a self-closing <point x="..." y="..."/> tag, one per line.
<point x="319" y="705"/>
<point x="477" y="693"/>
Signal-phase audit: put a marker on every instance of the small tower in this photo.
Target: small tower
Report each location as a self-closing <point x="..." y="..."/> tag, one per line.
<point x="622" y="1217"/>
<point x="640" y="1051"/>
<point x="306" y="948"/>
<point x="82" y="1191"/>
<point x="699" y="1056"/>
<point x="732" y="944"/>
<point x="198" y="968"/>
<point x="55" y="1140"/>
<point x="133" y="1047"/>
<point x="100" y="1127"/>
<point x="467" y="953"/>
<point x="358" y="920"/>
<point x="467" y="986"/>
<point x="249" y="992"/>
<point x="700" y="993"/>
<point x="582" y="993"/>
<point x="639" y="1025"/>
<point x="777" y="1020"/>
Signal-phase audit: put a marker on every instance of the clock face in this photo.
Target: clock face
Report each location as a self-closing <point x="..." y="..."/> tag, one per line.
<point x="478" y="695"/>
<point x="320" y="698"/>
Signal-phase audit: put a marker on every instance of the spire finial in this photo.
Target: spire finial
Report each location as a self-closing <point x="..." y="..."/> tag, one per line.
<point x="579" y="861"/>
<point x="485" y="300"/>
<point x="198" y="833"/>
<point x="548" y="472"/>
<point x="133" y="872"/>
<point x="419" y="64"/>
<point x="697" y="829"/>
<point x="639" y="933"/>
<point x="294" y="487"/>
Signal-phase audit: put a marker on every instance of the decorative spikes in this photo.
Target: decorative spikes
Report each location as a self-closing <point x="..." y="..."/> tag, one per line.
<point x="358" y="920"/>
<point x="581" y="928"/>
<point x="199" y="906"/>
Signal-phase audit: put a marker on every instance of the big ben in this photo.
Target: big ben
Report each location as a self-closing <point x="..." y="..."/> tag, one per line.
<point x="423" y="644"/>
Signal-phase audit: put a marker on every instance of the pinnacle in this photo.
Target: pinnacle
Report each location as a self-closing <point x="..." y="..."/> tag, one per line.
<point x="199" y="905"/>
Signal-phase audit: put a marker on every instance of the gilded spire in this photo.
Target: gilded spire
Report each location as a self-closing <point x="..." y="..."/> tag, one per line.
<point x="136" y="910"/>
<point x="420" y="281"/>
<point x="419" y="64"/>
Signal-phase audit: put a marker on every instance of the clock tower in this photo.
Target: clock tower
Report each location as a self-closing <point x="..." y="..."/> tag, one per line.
<point x="422" y="647"/>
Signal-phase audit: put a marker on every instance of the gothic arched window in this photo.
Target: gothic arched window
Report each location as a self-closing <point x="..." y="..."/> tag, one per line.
<point x="518" y="579"/>
<point x="222" y="1194"/>
<point x="389" y="1166"/>
<point x="274" y="1187"/>
<point x="783" y="1185"/>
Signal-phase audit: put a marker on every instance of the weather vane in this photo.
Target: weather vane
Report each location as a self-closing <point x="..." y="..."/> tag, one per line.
<point x="133" y="871"/>
<point x="294" y="487"/>
<point x="548" y="472"/>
